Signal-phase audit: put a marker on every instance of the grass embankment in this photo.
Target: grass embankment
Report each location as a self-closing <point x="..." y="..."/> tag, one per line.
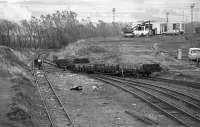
<point x="20" y="105"/>
<point x="156" y="49"/>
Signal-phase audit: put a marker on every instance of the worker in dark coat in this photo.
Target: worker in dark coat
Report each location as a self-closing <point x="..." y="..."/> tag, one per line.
<point x="35" y="62"/>
<point x="39" y="64"/>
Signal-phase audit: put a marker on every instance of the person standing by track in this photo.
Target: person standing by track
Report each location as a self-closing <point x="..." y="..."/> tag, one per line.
<point x="38" y="63"/>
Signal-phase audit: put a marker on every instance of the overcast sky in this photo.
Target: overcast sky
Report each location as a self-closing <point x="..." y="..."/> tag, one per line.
<point x="126" y="10"/>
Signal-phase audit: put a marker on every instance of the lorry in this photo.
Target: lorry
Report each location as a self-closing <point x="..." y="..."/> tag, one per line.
<point x="143" y="29"/>
<point x="127" y="31"/>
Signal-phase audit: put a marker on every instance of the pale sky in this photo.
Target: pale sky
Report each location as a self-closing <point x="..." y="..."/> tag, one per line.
<point x="126" y="10"/>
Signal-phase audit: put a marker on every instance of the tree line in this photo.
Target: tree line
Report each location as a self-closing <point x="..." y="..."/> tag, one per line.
<point x="53" y="31"/>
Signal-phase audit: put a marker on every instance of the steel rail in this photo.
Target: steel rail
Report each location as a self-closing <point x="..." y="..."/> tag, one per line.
<point x="164" y="101"/>
<point x="54" y="92"/>
<point x="195" y="85"/>
<point x="45" y="106"/>
<point x="42" y="99"/>
<point x="165" y="90"/>
<point x="154" y="105"/>
<point x="175" y="95"/>
<point x="47" y="81"/>
<point x="163" y="87"/>
<point x="60" y="102"/>
<point x="188" y="113"/>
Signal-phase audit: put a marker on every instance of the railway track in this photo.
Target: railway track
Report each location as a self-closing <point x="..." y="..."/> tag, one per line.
<point x="182" y="108"/>
<point x="166" y="89"/>
<point x="52" y="69"/>
<point x="56" y="113"/>
<point x="177" y="82"/>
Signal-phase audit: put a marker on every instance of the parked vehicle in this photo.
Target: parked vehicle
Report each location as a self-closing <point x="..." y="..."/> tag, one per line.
<point x="142" y="32"/>
<point x="194" y="54"/>
<point x="130" y="34"/>
<point x="127" y="31"/>
<point x="143" y="29"/>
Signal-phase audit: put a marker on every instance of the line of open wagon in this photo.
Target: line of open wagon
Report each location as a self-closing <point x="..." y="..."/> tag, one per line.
<point x="83" y="65"/>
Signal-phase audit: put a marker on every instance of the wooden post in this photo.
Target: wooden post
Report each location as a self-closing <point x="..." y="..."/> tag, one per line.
<point x="179" y="57"/>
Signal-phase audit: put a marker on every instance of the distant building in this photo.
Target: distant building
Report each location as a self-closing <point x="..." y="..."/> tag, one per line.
<point x="154" y="28"/>
<point x="168" y="28"/>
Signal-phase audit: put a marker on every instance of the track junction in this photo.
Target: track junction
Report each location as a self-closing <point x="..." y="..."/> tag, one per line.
<point x="181" y="107"/>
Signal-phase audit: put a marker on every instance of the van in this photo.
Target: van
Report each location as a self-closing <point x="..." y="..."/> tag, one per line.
<point x="194" y="54"/>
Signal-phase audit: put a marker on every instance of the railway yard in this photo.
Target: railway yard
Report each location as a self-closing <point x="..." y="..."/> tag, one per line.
<point x="103" y="93"/>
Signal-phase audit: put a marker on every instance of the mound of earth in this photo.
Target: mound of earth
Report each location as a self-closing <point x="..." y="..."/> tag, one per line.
<point x="83" y="48"/>
<point x="10" y="63"/>
<point x="121" y="52"/>
<point x="20" y="105"/>
<point x="134" y="51"/>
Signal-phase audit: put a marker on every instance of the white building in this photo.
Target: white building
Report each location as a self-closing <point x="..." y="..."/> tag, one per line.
<point x="156" y="28"/>
<point x="168" y="28"/>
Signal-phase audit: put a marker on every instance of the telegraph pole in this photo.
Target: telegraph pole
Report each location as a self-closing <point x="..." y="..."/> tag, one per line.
<point x="113" y="12"/>
<point x="183" y="16"/>
<point x="192" y="11"/>
<point x="167" y="19"/>
<point x="192" y="24"/>
<point x="184" y="21"/>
